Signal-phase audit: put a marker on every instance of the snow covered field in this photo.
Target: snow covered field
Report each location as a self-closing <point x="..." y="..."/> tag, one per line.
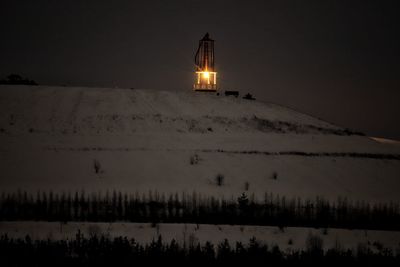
<point x="288" y="238"/>
<point x="98" y="139"/>
<point x="51" y="138"/>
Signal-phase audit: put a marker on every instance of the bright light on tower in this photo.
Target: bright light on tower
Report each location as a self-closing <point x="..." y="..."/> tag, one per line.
<point x="205" y="70"/>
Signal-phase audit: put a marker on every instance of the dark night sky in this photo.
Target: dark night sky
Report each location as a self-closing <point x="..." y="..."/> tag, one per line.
<point x="337" y="60"/>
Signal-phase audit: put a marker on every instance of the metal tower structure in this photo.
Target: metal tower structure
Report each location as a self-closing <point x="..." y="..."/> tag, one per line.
<point x="206" y="79"/>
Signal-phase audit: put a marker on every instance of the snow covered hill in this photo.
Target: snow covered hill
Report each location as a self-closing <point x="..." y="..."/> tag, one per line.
<point x="99" y="139"/>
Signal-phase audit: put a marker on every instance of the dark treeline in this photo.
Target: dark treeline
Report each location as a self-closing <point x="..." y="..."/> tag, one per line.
<point x="103" y="251"/>
<point x="17" y="79"/>
<point x="196" y="208"/>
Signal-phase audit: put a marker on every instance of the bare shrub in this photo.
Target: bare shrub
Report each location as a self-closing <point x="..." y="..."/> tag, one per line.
<point x="325" y="231"/>
<point x="219" y="179"/>
<point x="194" y="159"/>
<point x="96" y="166"/>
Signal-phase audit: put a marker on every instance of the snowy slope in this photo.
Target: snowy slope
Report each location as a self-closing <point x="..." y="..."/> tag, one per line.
<point x="51" y="137"/>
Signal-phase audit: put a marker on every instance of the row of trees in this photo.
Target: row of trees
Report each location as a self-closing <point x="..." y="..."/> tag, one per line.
<point x="197" y="208"/>
<point x="103" y="251"/>
<point x="17" y="79"/>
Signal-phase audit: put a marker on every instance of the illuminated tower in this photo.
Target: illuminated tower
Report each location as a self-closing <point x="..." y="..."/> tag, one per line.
<point x="206" y="79"/>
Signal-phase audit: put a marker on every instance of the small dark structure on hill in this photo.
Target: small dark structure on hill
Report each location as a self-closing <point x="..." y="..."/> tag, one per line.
<point x="249" y="97"/>
<point x="233" y="93"/>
